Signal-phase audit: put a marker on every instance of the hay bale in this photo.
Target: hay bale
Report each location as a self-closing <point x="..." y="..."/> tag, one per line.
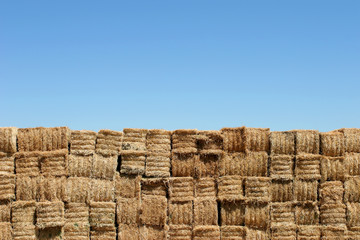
<point x="352" y="139"/>
<point x="307" y="141"/>
<point x="51" y="188"/>
<point x="257" y="139"/>
<point x="152" y="232"/>
<point x="281" y="191"/>
<point x="257" y="189"/>
<point x="281" y="214"/>
<point x="207" y="165"/>
<point x="307" y="167"/>
<point x="102" y="215"/>
<point x="23" y="231"/>
<point x="234" y="139"/>
<point x="256" y="164"/>
<point x="102" y="190"/>
<point x="352" y="189"/>
<point x="331" y="192"/>
<point x="180" y="232"/>
<point x="76" y="231"/>
<point x="230" y="188"/>
<point x="108" y="142"/>
<point x="7" y="163"/>
<point x="80" y="166"/>
<point x="127" y="211"/>
<point x="5" y="231"/>
<point x="5" y="211"/>
<point x="108" y="234"/>
<point x="82" y="142"/>
<point x="309" y="233"/>
<point x="181" y="213"/>
<point x="253" y="234"/>
<point x="307" y="214"/>
<point x="55" y="233"/>
<point x="154" y="187"/>
<point x="183" y="165"/>
<point x="54" y="163"/>
<point x="206" y="233"/>
<point x="184" y="141"/>
<point x="205" y="188"/>
<point x="157" y="165"/>
<point x="127" y="186"/>
<point x="134" y="139"/>
<point x="332" y="144"/>
<point x="352" y="164"/>
<point x="283" y="232"/>
<point x="181" y="189"/>
<point x="282" y="143"/>
<point x="281" y="167"/>
<point x="77" y="213"/>
<point x="332" y="169"/>
<point x="7" y="186"/>
<point x="8" y="139"/>
<point x="353" y="214"/>
<point x="49" y="214"/>
<point x="353" y="234"/>
<point x="133" y="162"/>
<point x="23" y="212"/>
<point x="28" y="163"/>
<point x="233" y="232"/>
<point x="333" y="213"/>
<point x="128" y="232"/>
<point x="257" y="216"/>
<point x="305" y="190"/>
<point x="232" y="213"/>
<point x="333" y="233"/>
<point x="26" y="187"/>
<point x="77" y="190"/>
<point x="210" y="142"/>
<point x="158" y="141"/>
<point x="104" y="167"/>
<point x="153" y="210"/>
<point x="205" y="212"/>
<point x="232" y="164"/>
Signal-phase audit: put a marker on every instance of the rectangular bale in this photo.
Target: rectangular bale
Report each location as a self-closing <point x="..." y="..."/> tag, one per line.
<point x="331" y="192"/>
<point x="134" y="139"/>
<point x="332" y="169"/>
<point x="254" y="234"/>
<point x="49" y="214"/>
<point x="7" y="186"/>
<point x="210" y="142"/>
<point x="154" y="187"/>
<point x="282" y="191"/>
<point x="157" y="165"/>
<point x="233" y="232"/>
<point x="256" y="164"/>
<point x="5" y="209"/>
<point x="77" y="190"/>
<point x="128" y="232"/>
<point x="5" y="231"/>
<point x="333" y="233"/>
<point x="102" y="215"/>
<point x="352" y="139"/>
<point x="282" y="143"/>
<point x="305" y="190"/>
<point x="108" y="142"/>
<point x="54" y="163"/>
<point x="133" y="162"/>
<point x="56" y="233"/>
<point x="181" y="189"/>
<point x="180" y="232"/>
<point x="23" y="212"/>
<point x="27" y="187"/>
<point x="352" y="189"/>
<point x="332" y="144"/>
<point x="158" y="141"/>
<point x="230" y="188"/>
<point x="51" y="188"/>
<point x="333" y="213"/>
<point x="257" y="139"/>
<point x="309" y="232"/>
<point x="205" y="212"/>
<point x="102" y="190"/>
<point x="7" y="163"/>
<point x="233" y="164"/>
<point x="23" y="231"/>
<point x="8" y="139"/>
<point x="184" y="141"/>
<point x="127" y="186"/>
<point x="307" y="214"/>
<point x="353" y="214"/>
<point x="82" y="142"/>
<point x="307" y="167"/>
<point x="207" y="165"/>
<point x="352" y="164"/>
<point x="27" y="163"/>
<point x="153" y="232"/>
<point x="181" y="213"/>
<point x="282" y="214"/>
<point x="128" y="211"/>
<point x="283" y="232"/>
<point x="80" y="166"/>
<point x="307" y="141"/>
<point x="104" y="167"/>
<point x="281" y="167"/>
<point x="206" y="233"/>
<point x="232" y="213"/>
<point x="77" y="213"/>
<point x="257" y="216"/>
<point x="205" y="188"/>
<point x="76" y="231"/>
<point x="234" y="139"/>
<point x="153" y="210"/>
<point x="108" y="234"/>
<point x="257" y="189"/>
<point x="183" y="165"/>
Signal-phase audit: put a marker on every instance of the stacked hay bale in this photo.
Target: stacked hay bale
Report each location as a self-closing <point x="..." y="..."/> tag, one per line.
<point x="282" y="149"/>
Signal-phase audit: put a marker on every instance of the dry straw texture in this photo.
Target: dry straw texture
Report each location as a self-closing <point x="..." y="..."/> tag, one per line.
<point x="138" y="184"/>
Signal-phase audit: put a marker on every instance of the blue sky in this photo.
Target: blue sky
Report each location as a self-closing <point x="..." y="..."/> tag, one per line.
<point x="180" y="64"/>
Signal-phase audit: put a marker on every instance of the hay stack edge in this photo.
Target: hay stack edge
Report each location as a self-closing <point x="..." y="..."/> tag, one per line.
<point x="232" y="184"/>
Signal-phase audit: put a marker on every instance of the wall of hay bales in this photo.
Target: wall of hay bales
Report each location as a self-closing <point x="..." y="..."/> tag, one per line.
<point x="236" y="183"/>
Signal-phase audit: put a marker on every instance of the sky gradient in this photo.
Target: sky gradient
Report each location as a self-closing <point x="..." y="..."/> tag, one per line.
<point x="180" y="64"/>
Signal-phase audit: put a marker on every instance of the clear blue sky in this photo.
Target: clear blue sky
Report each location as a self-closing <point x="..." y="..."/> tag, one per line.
<point x="180" y="64"/>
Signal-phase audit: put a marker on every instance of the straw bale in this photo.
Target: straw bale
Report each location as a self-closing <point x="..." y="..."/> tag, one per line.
<point x="127" y="211"/>
<point x="230" y="188"/>
<point x="102" y="215"/>
<point x="332" y="144"/>
<point x="207" y="166"/>
<point x="82" y="142"/>
<point x="104" y="167"/>
<point x="181" y="213"/>
<point x="127" y="186"/>
<point x="352" y="164"/>
<point x="257" y="139"/>
<point x="353" y="214"/>
<point x="51" y="189"/>
<point x="54" y="163"/>
<point x="8" y="139"/>
<point x="282" y="143"/>
<point x="210" y="142"/>
<point x="108" y="142"/>
<point x="23" y="212"/>
<point x="253" y="234"/>
<point x="307" y="167"/>
<point x="7" y="186"/>
<point x="309" y="233"/>
<point x="153" y="210"/>
<point x="205" y="212"/>
<point x="353" y="234"/>
<point x="234" y="139"/>
<point x="183" y="165"/>
<point x="233" y="232"/>
<point x="232" y="164"/>
<point x="257" y="189"/>
<point x="257" y="216"/>
<point x="184" y="141"/>
<point x="134" y="139"/>
<point x="108" y="234"/>
<point x="102" y="190"/>
<point x="205" y="188"/>
<point x="27" y="163"/>
<point x="232" y="213"/>
<point x="307" y="214"/>
<point x="55" y="233"/>
<point x="256" y="164"/>
<point x="281" y="214"/>
<point x="80" y="166"/>
<point x="133" y="162"/>
<point x="42" y="139"/>
<point x="77" y="190"/>
<point x="281" y="167"/>
<point x="332" y="169"/>
<point x="180" y="232"/>
<point x="333" y="233"/>
<point x="333" y="213"/>
<point x="181" y="189"/>
<point x="352" y="139"/>
<point x="352" y="189"/>
<point x="282" y="191"/>
<point x="5" y="231"/>
<point x="283" y="232"/>
<point x="158" y="141"/>
<point x="128" y="232"/>
<point x="76" y="231"/>
<point x="26" y="187"/>
<point x="206" y="233"/>
<point x="307" y="141"/>
<point x="154" y="186"/>
<point x="5" y="211"/>
<point x="331" y="192"/>
<point x="49" y="214"/>
<point x="157" y="165"/>
<point x="152" y="233"/>
<point x="249" y="164"/>
<point x="23" y="231"/>
<point x="7" y="163"/>
<point x="77" y="213"/>
<point x="305" y="190"/>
